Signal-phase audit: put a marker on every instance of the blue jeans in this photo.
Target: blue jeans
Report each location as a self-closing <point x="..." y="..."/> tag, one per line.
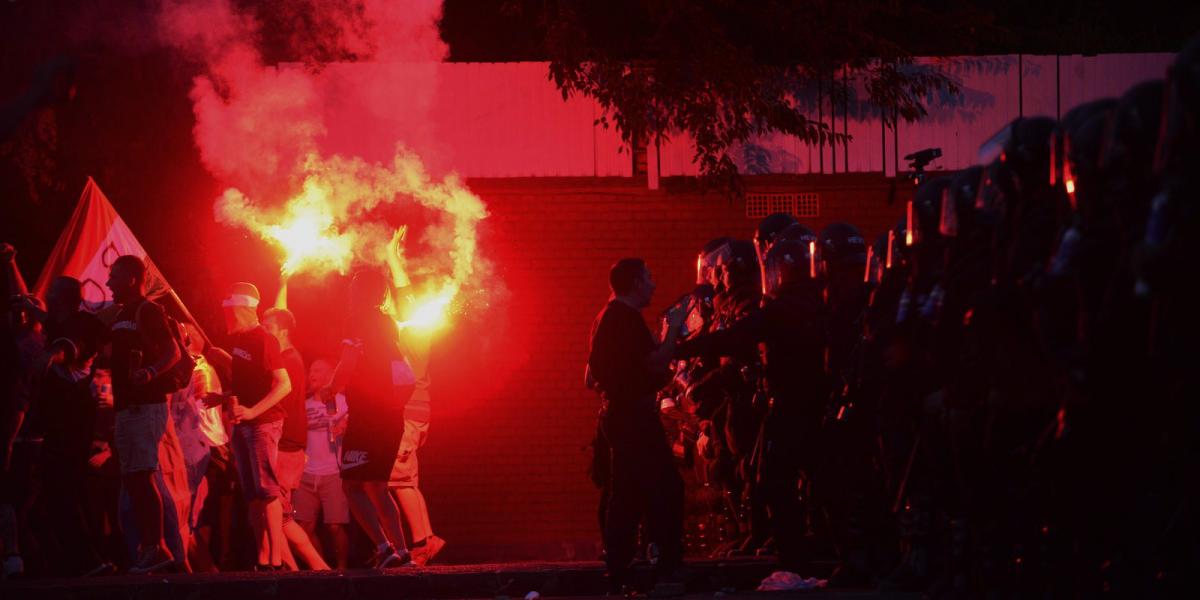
<point x="256" y="453"/>
<point x="170" y="521"/>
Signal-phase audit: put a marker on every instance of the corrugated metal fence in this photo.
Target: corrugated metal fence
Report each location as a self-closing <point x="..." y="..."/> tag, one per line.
<point x="509" y="120"/>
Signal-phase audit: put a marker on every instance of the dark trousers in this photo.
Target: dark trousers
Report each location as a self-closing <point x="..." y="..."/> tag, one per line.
<point x="645" y="487"/>
<point x="786" y="447"/>
<point x="64" y="493"/>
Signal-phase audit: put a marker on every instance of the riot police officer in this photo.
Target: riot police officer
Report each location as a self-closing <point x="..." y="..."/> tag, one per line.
<point x="723" y="399"/>
<point x="852" y="494"/>
<point x="790" y="330"/>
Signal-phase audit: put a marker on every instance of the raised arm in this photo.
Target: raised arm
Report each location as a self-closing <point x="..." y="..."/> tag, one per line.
<point x="8" y="262"/>
<point x="659" y="360"/>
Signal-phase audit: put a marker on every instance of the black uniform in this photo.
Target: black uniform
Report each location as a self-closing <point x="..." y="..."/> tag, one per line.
<point x="789" y="329"/>
<point x="644" y="480"/>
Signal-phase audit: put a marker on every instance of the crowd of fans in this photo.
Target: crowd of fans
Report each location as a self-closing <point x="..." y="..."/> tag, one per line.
<point x="130" y="443"/>
<point x="992" y="399"/>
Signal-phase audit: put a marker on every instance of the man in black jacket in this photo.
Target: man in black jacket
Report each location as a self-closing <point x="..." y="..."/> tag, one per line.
<point x="628" y="368"/>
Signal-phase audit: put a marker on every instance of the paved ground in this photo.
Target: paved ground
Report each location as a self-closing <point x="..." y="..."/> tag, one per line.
<point x="723" y="580"/>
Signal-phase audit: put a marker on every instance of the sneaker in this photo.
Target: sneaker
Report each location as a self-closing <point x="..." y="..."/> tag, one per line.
<point x="399" y="561"/>
<point x="787" y="581"/>
<point x="102" y="569"/>
<point x="653" y="553"/>
<point x="151" y="560"/>
<point x="668" y="585"/>
<point x="622" y="591"/>
<point x="433" y="545"/>
<point x="389" y="558"/>
<point x="380" y="554"/>
<point x="14" y="566"/>
<point x="667" y="589"/>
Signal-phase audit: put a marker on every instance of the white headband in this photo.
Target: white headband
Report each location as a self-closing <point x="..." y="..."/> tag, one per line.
<point x="240" y="300"/>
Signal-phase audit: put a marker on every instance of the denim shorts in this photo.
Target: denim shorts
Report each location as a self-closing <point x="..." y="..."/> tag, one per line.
<point x="256" y="453"/>
<point x="138" y="431"/>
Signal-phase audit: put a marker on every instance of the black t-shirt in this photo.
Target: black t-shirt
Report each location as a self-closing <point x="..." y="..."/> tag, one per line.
<point x="620" y="348"/>
<point x="140" y="326"/>
<point x="376" y="384"/>
<point x="256" y="356"/>
<point x="70" y="412"/>
<point x="295" y="424"/>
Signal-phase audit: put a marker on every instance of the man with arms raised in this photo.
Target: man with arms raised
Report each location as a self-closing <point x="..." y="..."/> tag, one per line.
<point x="378" y="382"/>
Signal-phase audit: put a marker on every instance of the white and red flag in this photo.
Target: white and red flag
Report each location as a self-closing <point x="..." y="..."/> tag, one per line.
<point x="94" y="238"/>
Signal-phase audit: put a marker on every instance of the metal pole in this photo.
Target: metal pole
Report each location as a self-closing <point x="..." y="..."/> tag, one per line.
<point x="1020" y="85"/>
<point x="845" y="118"/>
<point x="821" y="121"/>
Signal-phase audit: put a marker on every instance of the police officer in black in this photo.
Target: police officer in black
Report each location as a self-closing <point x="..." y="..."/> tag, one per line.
<point x="629" y="367"/>
<point x="851" y="498"/>
<point x="1167" y="257"/>
<point x="843" y="257"/>
<point x="700" y="306"/>
<point x="790" y="332"/>
<point x="724" y="398"/>
<point x="730" y="388"/>
<point x="771" y="229"/>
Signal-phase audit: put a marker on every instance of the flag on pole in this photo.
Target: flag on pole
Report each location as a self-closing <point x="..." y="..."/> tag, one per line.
<point x="94" y="238"/>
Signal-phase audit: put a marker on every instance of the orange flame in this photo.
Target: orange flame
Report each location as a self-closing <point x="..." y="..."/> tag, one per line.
<point x="910" y="226"/>
<point x="812" y="260"/>
<point x="328" y="227"/>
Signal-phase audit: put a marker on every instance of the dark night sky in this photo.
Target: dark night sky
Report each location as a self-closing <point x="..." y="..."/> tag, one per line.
<point x="508" y="30"/>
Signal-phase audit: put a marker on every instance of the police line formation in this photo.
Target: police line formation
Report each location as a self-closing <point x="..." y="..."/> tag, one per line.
<point x="990" y="398"/>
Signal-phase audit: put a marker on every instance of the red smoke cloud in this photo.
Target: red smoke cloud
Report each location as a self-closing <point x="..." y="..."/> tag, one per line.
<point x="322" y="152"/>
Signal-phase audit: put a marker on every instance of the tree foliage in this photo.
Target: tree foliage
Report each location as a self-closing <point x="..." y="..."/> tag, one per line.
<point x="723" y="71"/>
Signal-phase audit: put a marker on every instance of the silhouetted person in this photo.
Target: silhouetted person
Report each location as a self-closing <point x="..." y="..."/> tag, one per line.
<point x="377" y="382"/>
<point x="280" y="322"/>
<point x="320" y="493"/>
<point x="260" y="384"/>
<point x="143" y="351"/>
<point x="629" y="367"/>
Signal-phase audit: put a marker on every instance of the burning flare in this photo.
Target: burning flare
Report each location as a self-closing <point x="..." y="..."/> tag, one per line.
<point x="329" y="226"/>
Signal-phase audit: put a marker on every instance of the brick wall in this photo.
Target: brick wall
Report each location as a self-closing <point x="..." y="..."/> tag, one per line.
<point x="505" y="471"/>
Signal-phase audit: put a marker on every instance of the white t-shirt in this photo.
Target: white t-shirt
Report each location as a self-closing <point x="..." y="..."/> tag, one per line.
<point x="199" y="428"/>
<point x="322" y="453"/>
<point x="204" y="380"/>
